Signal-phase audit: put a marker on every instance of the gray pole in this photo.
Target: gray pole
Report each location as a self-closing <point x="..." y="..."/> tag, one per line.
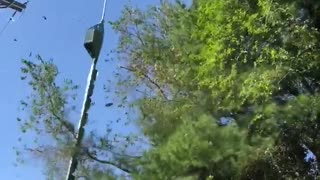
<point x="93" y="44"/>
<point x="83" y="119"/>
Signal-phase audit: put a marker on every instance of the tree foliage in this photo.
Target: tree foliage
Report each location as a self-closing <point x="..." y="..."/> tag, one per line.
<point x="48" y="117"/>
<point x="229" y="89"/>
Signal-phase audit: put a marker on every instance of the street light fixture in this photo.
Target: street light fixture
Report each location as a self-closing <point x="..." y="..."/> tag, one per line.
<point x="93" y="40"/>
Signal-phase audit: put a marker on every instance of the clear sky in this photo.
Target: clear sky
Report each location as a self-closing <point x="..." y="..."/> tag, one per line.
<point x="60" y="37"/>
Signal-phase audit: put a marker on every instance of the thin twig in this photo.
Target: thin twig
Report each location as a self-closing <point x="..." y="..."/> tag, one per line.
<point x="34" y="150"/>
<point x="148" y="78"/>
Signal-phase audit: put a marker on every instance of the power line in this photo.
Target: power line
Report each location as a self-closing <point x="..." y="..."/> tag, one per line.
<point x="5" y="26"/>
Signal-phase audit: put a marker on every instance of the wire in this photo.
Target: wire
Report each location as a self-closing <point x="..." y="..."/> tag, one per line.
<point x="104" y="11"/>
<point x="5" y="26"/>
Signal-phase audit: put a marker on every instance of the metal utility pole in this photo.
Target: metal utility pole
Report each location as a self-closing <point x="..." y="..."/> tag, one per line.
<point x="15" y="5"/>
<point x="93" y="43"/>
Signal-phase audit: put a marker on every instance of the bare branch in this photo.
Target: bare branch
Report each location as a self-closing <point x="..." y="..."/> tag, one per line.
<point x="148" y="78"/>
<point x="93" y="157"/>
<point x="65" y="124"/>
<point x="34" y="150"/>
<point x="119" y="154"/>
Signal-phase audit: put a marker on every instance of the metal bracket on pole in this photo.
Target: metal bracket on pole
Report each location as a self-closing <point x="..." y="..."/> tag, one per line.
<point x="15" y="5"/>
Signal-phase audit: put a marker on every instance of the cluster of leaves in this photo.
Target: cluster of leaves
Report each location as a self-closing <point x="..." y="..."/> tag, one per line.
<point x="254" y="62"/>
<point x="230" y="90"/>
<point x="48" y="118"/>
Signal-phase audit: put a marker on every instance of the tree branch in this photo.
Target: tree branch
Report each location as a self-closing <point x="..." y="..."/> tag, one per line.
<point x="34" y="150"/>
<point x="64" y="123"/>
<point x="48" y="88"/>
<point x="119" y="154"/>
<point x="148" y="78"/>
<point x="93" y="157"/>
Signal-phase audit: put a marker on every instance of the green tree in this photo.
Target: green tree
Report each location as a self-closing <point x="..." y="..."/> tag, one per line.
<point x="48" y="117"/>
<point x="252" y="62"/>
<point x="228" y="89"/>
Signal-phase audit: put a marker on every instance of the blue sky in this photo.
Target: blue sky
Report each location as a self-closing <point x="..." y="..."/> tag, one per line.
<point x="60" y="37"/>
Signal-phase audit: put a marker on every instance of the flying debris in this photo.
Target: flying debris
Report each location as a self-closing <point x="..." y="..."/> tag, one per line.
<point x="109" y="104"/>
